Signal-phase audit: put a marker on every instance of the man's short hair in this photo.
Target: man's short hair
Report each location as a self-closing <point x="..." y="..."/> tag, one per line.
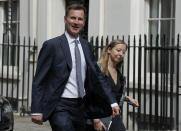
<point x="75" y="6"/>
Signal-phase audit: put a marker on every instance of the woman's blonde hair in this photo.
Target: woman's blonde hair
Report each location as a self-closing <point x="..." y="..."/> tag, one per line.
<point x="103" y="61"/>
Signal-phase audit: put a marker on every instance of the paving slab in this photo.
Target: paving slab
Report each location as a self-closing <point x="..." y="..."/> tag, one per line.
<point x="24" y="124"/>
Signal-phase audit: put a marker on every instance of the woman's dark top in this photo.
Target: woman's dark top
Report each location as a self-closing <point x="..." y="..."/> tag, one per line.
<point x="117" y="89"/>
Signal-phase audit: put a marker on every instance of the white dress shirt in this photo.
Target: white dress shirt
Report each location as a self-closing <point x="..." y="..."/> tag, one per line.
<point x="71" y="88"/>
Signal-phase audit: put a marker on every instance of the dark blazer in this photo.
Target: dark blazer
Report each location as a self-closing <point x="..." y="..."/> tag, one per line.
<point x="52" y="73"/>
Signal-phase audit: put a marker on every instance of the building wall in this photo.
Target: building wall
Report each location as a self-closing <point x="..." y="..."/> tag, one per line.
<point x="33" y="19"/>
<point x="178" y="31"/>
<point x="43" y="19"/>
<point x="95" y="17"/>
<point x="109" y="17"/>
<point x="1" y="23"/>
<point x="50" y="19"/>
<point x="1" y="32"/>
<point x="137" y="17"/>
<point x="58" y="12"/>
<point x="24" y="18"/>
<point x="178" y="17"/>
<point x="28" y="19"/>
<point x="117" y="17"/>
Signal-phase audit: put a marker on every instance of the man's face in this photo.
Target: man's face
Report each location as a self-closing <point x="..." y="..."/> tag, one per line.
<point x="74" y="22"/>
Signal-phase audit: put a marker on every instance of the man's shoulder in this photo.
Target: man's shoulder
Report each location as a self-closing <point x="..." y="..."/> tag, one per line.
<point x="55" y="39"/>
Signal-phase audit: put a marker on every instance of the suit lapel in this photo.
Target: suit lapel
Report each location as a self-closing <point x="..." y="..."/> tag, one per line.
<point x="66" y="50"/>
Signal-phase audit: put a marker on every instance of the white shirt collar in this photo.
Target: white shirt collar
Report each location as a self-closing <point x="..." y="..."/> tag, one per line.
<point x="70" y="38"/>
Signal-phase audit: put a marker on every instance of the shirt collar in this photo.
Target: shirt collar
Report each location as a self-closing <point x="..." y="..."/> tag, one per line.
<point x="70" y="38"/>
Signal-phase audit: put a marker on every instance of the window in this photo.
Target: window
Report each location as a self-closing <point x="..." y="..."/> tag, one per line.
<point x="161" y="21"/>
<point x="162" y="18"/>
<point x="10" y="31"/>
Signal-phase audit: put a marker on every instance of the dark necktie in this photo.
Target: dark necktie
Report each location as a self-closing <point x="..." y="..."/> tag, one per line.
<point x="78" y="70"/>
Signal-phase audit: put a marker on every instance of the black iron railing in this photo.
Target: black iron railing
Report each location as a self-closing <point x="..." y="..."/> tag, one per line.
<point x="16" y="72"/>
<point x="151" y="67"/>
<point x="152" y="70"/>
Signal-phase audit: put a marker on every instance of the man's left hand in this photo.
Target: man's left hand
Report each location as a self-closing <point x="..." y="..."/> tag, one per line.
<point x="115" y="111"/>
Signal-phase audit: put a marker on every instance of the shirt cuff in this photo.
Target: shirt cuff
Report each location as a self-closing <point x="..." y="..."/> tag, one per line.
<point x="114" y="104"/>
<point x="36" y="114"/>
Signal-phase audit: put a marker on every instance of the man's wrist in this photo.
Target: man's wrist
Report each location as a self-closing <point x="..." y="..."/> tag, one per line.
<point x="96" y="121"/>
<point x="36" y="114"/>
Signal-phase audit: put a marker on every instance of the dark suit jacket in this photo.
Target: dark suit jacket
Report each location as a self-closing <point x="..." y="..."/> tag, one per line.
<point x="52" y="73"/>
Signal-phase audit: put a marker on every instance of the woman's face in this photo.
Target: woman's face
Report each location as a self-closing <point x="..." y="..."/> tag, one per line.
<point x="117" y="53"/>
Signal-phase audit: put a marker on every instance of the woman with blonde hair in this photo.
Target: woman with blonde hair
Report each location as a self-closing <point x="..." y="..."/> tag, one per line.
<point x="110" y="63"/>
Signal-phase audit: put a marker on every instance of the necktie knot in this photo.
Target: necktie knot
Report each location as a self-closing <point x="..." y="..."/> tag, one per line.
<point x="76" y="42"/>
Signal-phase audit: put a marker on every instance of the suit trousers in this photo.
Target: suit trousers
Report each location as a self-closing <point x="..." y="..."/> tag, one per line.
<point x="68" y="115"/>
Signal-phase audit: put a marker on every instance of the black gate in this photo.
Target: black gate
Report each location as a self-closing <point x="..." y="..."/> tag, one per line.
<point x="17" y="71"/>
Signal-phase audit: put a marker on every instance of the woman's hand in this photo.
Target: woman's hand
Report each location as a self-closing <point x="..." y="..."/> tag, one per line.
<point x="133" y="101"/>
<point x="98" y="125"/>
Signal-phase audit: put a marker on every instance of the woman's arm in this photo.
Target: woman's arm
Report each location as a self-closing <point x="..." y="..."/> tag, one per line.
<point x="132" y="101"/>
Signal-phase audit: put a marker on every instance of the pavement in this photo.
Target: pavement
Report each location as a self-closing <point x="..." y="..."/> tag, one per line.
<point x="24" y="124"/>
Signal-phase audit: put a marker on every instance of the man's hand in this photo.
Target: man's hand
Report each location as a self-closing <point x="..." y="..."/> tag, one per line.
<point x="98" y="125"/>
<point x="115" y="111"/>
<point x="38" y="119"/>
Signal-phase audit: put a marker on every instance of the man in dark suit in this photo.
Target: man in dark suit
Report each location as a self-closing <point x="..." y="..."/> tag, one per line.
<point x="63" y="89"/>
